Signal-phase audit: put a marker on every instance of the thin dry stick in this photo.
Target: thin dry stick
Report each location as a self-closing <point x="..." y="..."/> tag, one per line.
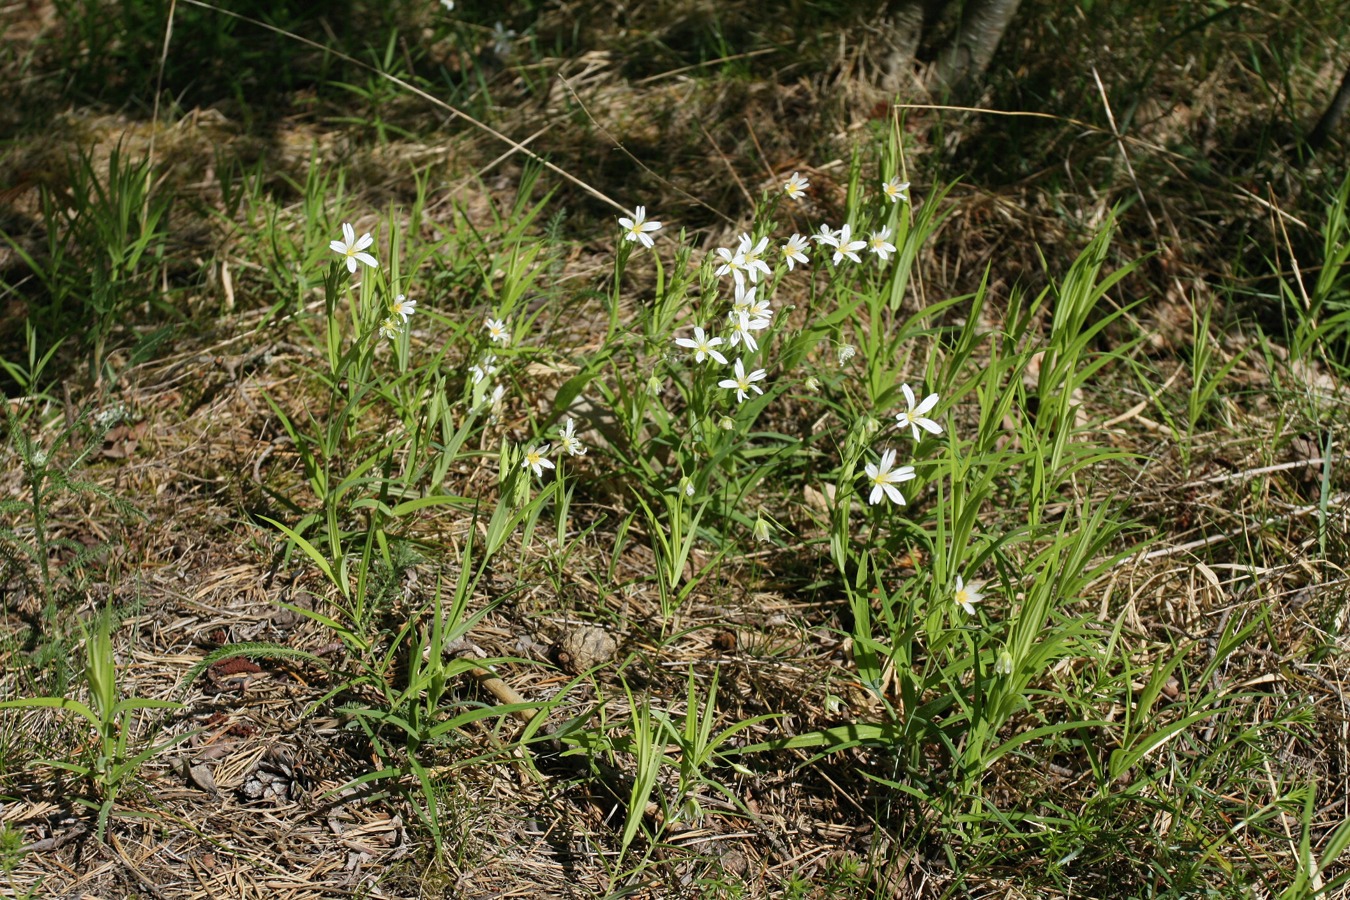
<point x="1264" y="470"/>
<point x="1143" y="404"/>
<point x="416" y="91"/>
<point x="1129" y="166"/>
<point x="1237" y="532"/>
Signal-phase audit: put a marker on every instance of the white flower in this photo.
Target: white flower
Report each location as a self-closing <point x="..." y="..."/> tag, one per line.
<point x="795" y="187"/>
<point x="1004" y="664"/>
<point x="914" y="416"/>
<point x="391" y="327"/>
<point x="752" y="257"/>
<point x="449" y="5"/>
<point x="878" y="244"/>
<point x="754" y="308"/>
<point x="732" y="264"/>
<point x="794" y="251"/>
<point x="825" y="236"/>
<point x="497" y="330"/>
<point x="702" y="345"/>
<point x="895" y="189"/>
<point x="638" y="228"/>
<point x="485" y="369"/>
<point x="351" y="249"/>
<point x="688" y="487"/>
<point x="570" y="442"/>
<point x="845" y="247"/>
<point x="761" y="528"/>
<point x="967" y="595"/>
<point x="497" y="394"/>
<point x="403" y="307"/>
<point x="846" y="352"/>
<point x="742" y="325"/>
<point x="501" y="40"/>
<point x="743" y="383"/>
<point x="534" y="459"/>
<point x="885" y="477"/>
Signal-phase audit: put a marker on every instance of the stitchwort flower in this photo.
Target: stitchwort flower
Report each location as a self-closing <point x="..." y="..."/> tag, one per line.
<point x="967" y="595"/>
<point x="743" y="384"/>
<point x="497" y="330"/>
<point x="484" y="369"/>
<point x="403" y="307"/>
<point x="352" y="250"/>
<point x="391" y="327"/>
<point x="914" y="417"/>
<point x="885" y="477"/>
<point x="638" y="228"/>
<point x="752" y="257"/>
<point x="844" y="245"/>
<point x="535" y="459"/>
<point x="703" y="346"/>
<point x="794" y="251"/>
<point x="879" y="244"/>
<point x="567" y="435"/>
<point x="895" y="189"/>
<point x="795" y="187"/>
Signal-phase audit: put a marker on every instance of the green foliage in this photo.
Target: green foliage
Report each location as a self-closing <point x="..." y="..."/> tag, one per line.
<point x="113" y="718"/>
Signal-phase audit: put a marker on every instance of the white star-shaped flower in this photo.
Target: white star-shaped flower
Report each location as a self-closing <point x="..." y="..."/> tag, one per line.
<point x="391" y="327"/>
<point x="570" y="442"/>
<point x="845" y="246"/>
<point x="752" y="257"/>
<point x="895" y="189"/>
<point x="497" y="330"/>
<point x="703" y="346"/>
<point x="885" y="477"/>
<point x="825" y="235"/>
<point x="913" y="417"/>
<point x="742" y="326"/>
<point x="352" y="249"/>
<point x="879" y="244"/>
<point x="794" y="251"/>
<point x="743" y="384"/>
<point x="967" y="595"/>
<point x="403" y="307"/>
<point x="535" y="459"/>
<point x="638" y="228"/>
<point x="795" y="187"/>
<point x="484" y="369"/>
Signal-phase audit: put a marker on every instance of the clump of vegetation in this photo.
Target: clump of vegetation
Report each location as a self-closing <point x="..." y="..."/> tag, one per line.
<point x="610" y="449"/>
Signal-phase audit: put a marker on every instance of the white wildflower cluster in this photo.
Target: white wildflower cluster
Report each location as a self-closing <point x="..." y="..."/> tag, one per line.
<point x="353" y="250"/>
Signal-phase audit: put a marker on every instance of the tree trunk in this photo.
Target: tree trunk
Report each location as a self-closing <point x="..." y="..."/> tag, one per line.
<point x="971" y="48"/>
<point x="1340" y="105"/>
<point x="904" y="21"/>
